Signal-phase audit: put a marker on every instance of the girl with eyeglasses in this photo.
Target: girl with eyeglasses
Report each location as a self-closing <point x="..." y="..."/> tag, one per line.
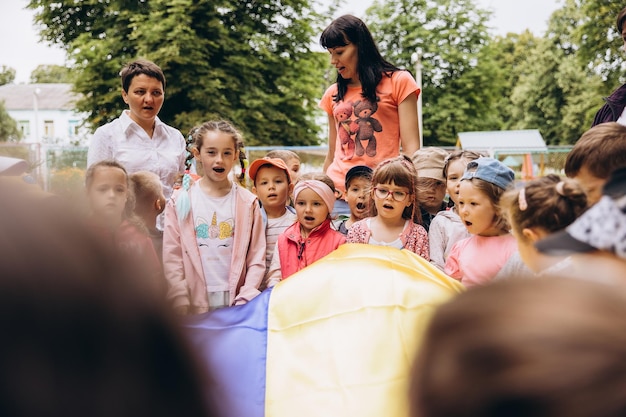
<point x="396" y="217"/>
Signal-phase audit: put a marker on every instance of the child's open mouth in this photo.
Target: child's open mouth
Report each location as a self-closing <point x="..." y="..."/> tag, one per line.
<point x="309" y="218"/>
<point x="220" y="170"/>
<point x="388" y="206"/>
<point x="360" y="206"/>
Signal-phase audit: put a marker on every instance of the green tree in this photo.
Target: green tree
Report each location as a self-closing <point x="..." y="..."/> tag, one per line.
<point x="537" y="98"/>
<point x="555" y="92"/>
<point x="511" y="52"/>
<point x="600" y="45"/>
<point x="7" y="75"/>
<point x="51" y="74"/>
<point x="9" y="130"/>
<point x="246" y="61"/>
<point x="460" y="76"/>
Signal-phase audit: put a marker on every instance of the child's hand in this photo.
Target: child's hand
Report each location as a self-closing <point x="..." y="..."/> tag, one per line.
<point x="182" y="310"/>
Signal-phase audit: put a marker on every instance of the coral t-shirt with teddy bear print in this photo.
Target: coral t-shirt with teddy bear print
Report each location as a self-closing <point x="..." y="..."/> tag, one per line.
<point x="367" y="133"/>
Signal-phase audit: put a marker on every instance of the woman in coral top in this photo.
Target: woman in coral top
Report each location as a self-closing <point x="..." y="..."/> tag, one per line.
<point x="372" y="108"/>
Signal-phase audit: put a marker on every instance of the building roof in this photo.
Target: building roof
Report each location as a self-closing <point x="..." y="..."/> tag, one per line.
<point x="49" y="96"/>
<point x="503" y="141"/>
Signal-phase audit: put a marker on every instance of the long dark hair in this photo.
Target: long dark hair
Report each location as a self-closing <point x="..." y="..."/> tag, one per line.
<point x="371" y="65"/>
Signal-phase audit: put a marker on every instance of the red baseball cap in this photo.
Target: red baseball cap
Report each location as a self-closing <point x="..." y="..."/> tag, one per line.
<point x="276" y="162"/>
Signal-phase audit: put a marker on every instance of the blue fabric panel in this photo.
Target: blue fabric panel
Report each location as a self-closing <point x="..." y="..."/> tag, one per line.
<point x="232" y="342"/>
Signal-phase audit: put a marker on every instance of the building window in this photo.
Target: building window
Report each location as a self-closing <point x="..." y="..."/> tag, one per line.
<point x="73" y="128"/>
<point x="48" y="128"/>
<point x="24" y="126"/>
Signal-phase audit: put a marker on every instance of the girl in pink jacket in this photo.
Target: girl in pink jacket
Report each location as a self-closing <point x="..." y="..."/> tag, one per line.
<point x="311" y="237"/>
<point x="214" y="239"/>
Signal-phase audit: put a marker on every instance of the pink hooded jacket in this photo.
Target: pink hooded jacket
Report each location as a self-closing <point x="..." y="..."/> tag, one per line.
<point x="181" y="255"/>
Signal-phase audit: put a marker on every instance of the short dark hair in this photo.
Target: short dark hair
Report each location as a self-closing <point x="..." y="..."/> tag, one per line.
<point x="358" y="171"/>
<point x="601" y="149"/>
<point x="140" y="66"/>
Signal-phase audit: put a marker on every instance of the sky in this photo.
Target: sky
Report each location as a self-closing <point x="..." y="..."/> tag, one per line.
<point x="22" y="50"/>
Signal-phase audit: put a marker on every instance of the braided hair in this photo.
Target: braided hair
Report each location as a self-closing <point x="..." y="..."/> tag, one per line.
<point x="194" y="141"/>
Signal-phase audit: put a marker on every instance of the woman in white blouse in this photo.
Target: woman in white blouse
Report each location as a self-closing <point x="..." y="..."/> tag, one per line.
<point x="138" y="139"/>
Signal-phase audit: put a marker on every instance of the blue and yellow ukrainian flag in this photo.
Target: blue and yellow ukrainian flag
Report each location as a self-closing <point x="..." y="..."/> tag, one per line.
<point x="336" y="339"/>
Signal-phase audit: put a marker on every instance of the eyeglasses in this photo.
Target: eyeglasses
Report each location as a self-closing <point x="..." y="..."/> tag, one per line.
<point x="383" y="193"/>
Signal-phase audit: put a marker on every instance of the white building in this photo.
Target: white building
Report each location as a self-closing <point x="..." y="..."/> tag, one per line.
<point x="46" y="113"/>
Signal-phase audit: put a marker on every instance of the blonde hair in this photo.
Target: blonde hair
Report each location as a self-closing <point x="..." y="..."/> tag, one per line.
<point x="284" y="154"/>
<point x="493" y="192"/>
<point x="147" y="188"/>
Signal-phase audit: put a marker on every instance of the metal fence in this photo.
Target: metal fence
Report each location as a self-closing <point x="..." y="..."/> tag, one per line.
<point x="538" y="164"/>
<point x="61" y="169"/>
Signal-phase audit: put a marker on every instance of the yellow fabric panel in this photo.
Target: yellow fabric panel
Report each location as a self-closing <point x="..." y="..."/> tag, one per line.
<point x="342" y="333"/>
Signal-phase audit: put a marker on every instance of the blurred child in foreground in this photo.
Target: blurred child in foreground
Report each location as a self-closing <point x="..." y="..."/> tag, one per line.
<point x="81" y="336"/>
<point x="552" y="347"/>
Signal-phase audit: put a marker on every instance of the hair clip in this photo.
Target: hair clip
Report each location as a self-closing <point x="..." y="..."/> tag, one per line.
<point x="523" y="205"/>
<point x="559" y="188"/>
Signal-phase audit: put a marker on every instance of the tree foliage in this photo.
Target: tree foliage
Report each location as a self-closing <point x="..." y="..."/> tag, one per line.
<point x="450" y="37"/>
<point x="473" y="81"/>
<point x="600" y="44"/>
<point x="556" y="92"/>
<point x="246" y="61"/>
<point x="9" y="130"/>
<point x="51" y="74"/>
<point x="7" y="75"/>
<point x="510" y="53"/>
<point x="251" y="62"/>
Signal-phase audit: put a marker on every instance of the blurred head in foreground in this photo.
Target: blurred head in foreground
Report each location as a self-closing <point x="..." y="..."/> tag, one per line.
<point x="549" y="347"/>
<point x="78" y="337"/>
